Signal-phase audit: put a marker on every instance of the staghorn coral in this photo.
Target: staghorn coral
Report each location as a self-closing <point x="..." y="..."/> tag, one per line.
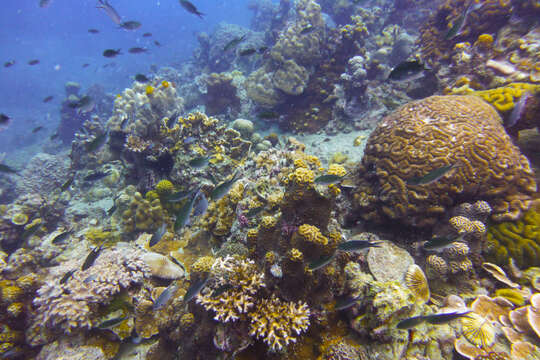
<point x="442" y="130"/>
<point x="519" y="240"/>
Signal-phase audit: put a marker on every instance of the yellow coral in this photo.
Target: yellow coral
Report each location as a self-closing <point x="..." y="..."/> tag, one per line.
<point x="295" y="255"/>
<point x="15" y="309"/>
<point x="268" y="222"/>
<point x="336" y="169"/>
<point x="312" y="234"/>
<point x="19" y="219"/>
<point x="302" y="176"/>
<point x="11" y="293"/>
<point x="503" y="98"/>
<point x="165" y="84"/>
<point x="164" y="187"/>
<point x="270" y="257"/>
<point x="187" y="320"/>
<point x="149" y="90"/>
<point x="202" y="265"/>
<point x="97" y="235"/>
<point x="484" y="40"/>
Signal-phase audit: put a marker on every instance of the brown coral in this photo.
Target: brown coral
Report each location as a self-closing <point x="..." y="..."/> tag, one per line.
<point x="434" y="132"/>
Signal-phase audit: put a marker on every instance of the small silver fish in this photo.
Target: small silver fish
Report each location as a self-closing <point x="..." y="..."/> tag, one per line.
<point x="165" y="296"/>
<point x="518" y="110"/>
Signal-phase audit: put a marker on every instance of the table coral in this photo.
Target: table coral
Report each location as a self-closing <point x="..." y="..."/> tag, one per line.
<point x="431" y="133"/>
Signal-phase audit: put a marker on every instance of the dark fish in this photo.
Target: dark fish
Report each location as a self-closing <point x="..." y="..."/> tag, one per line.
<point x="327" y="179"/>
<point x="84" y="105"/>
<point x="158" y="235"/>
<point x="55" y="136"/>
<point x="443" y="318"/>
<point x="67" y="184"/>
<point x="4" y="120"/>
<point x="85" y="65"/>
<point x="346" y="302"/>
<point x="307" y="30"/>
<point x="173" y="259"/>
<point x="222" y="189"/>
<point x="7" y="169"/>
<point x="112" y="322"/>
<point x="262" y="49"/>
<point x="9" y="63"/>
<point x="147" y="34"/>
<point x="172" y="120"/>
<point x="109" y="10"/>
<point x="96" y="175"/>
<point x="194" y="289"/>
<point x="97" y="142"/>
<point x="67" y="276"/>
<point x="111" y="210"/>
<point x="178" y="196"/>
<point x="130" y="25"/>
<point x="182" y="217"/>
<point x="61" y="237"/>
<point x="92" y="256"/>
<point x="157" y="43"/>
<point x="354" y="245"/>
<point x="164" y="297"/>
<point x="30" y="231"/>
<point x="44" y="3"/>
<point x="440" y="242"/>
<point x="234" y="42"/>
<point x="137" y="50"/>
<point x="48" y="98"/>
<point x="319" y="263"/>
<point x="407" y="71"/>
<point x="518" y="110"/>
<point x="267" y="115"/>
<point x="199" y="162"/>
<point x="432" y="176"/>
<point x="141" y="78"/>
<point x="247" y="52"/>
<point x="254" y="211"/>
<point x="191" y="8"/>
<point x="201" y="204"/>
<point x="93" y="31"/>
<point x="110" y="53"/>
<point x="33" y="62"/>
<point x="221" y="290"/>
<point x="37" y="129"/>
<point x="410" y="322"/>
<point x="457" y="28"/>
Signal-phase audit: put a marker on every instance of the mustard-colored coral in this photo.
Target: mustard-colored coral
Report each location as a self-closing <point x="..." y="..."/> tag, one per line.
<point x="149" y="90"/>
<point x="302" y="176"/>
<point x="312" y="234"/>
<point x="336" y="169"/>
<point x="295" y="255"/>
<point x="202" y="265"/>
<point x="164" y="187"/>
<point x="519" y="240"/>
<point x="187" y="320"/>
<point x="438" y="131"/>
<point x="504" y="98"/>
<point x="485" y="40"/>
<point x="19" y="219"/>
<point x="268" y="222"/>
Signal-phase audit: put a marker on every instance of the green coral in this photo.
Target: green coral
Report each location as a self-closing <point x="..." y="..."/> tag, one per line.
<point x="519" y="240"/>
<point x="164" y="187"/>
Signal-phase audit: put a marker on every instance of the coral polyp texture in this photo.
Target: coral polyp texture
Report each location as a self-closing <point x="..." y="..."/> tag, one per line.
<point x="433" y="133"/>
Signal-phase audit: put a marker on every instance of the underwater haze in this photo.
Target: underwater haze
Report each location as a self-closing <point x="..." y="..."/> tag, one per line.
<point x="270" y="179"/>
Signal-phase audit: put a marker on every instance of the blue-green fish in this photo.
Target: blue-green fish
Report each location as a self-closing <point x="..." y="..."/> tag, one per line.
<point x="319" y="263"/>
<point x="457" y="28"/>
<point x="165" y="296"/>
<point x="194" y="289"/>
<point x="443" y="318"/>
<point x="432" y="176"/>
<point x="234" y="42"/>
<point x="327" y="179"/>
<point x="61" y="237"/>
<point x="158" y="234"/>
<point x="346" y="302"/>
<point x="111" y="322"/>
<point x="67" y="276"/>
<point x="222" y="189"/>
<point x="440" y="242"/>
<point x="353" y="245"/>
<point x="199" y="162"/>
<point x="183" y="215"/>
<point x="410" y="322"/>
<point x="178" y="196"/>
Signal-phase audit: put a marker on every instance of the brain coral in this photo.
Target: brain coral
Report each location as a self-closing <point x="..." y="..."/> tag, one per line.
<point x="428" y="134"/>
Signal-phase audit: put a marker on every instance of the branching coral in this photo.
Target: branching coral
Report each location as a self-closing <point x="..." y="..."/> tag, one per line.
<point x="428" y="134"/>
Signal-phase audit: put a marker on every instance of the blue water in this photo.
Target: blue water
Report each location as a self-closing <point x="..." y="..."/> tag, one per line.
<point x="58" y="36"/>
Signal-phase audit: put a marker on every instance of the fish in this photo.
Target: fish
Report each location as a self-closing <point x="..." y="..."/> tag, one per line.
<point x="443" y="318"/>
<point x="130" y="25"/>
<point x="410" y="322"/>
<point x="93" y="31"/>
<point x="440" y="242"/>
<point x="37" y="129"/>
<point x="4" y="121"/>
<point x="262" y="49"/>
<point x="178" y="196"/>
<point x="84" y="105"/>
<point x="112" y="209"/>
<point x="110" y="11"/>
<point x="44" y="3"/>
<point x="110" y="53"/>
<point x="191" y="8"/>
<point x="61" y="237"/>
<point x="9" y="63"/>
<point x="174" y="260"/>
<point x="199" y="162"/>
<point x="307" y="30"/>
<point x="222" y="189"/>
<point x="137" y="50"/>
<point x="173" y="119"/>
<point x="7" y="169"/>
<point x="31" y="230"/>
<point x="327" y="179"/>
<point x="194" y="289"/>
<point x="319" y="263"/>
<point x="432" y="176"/>
<point x="112" y="322"/>
<point x="97" y="142"/>
<point x="85" y="65"/>
<point x="96" y="175"/>
<point x="158" y="235"/>
<point x="221" y="290"/>
<point x="141" y="78"/>
<point x="157" y="43"/>
<point x="67" y="183"/>
<point x="33" y="62"/>
<point x="353" y="245"/>
<point x="247" y="52"/>
<point x="200" y="205"/>
<point x="460" y="22"/>
<point x="346" y="302"/>
<point x="48" y="98"/>
<point x="165" y="296"/>
<point x="234" y="42"/>
<point x="254" y="211"/>
<point x="92" y="256"/>
<point x="54" y="136"/>
<point x="517" y="111"/>
<point x="147" y="34"/>
<point x="182" y="216"/>
<point x="267" y="115"/>
<point x="407" y="71"/>
<point x="90" y="278"/>
<point x="67" y="275"/>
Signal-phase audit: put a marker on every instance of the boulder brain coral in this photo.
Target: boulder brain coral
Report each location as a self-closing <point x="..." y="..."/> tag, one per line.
<point x="426" y="135"/>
